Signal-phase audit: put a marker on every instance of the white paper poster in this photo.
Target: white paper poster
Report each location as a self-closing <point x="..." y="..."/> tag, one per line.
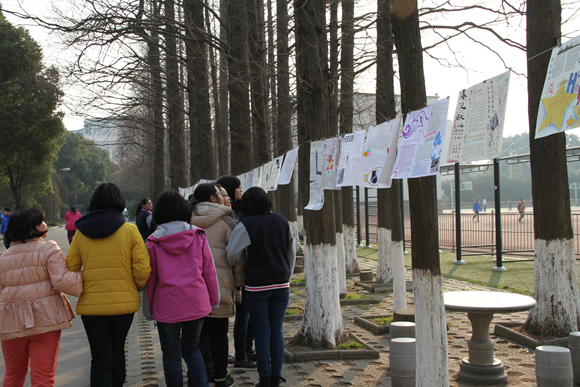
<point x="266" y="169"/>
<point x="559" y="108"/>
<point x="275" y="173"/>
<point x="329" y="149"/>
<point x="316" y="178"/>
<point x="243" y="180"/>
<point x="478" y="121"/>
<point x="421" y="146"/>
<point x="380" y="143"/>
<point x="257" y="180"/>
<point x="350" y="154"/>
<point x="250" y="179"/>
<point x="288" y="166"/>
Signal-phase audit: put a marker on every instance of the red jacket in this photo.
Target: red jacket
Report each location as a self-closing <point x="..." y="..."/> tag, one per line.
<point x="183" y="285"/>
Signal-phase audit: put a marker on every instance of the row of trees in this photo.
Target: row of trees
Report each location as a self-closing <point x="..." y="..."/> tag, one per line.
<point x="166" y="52"/>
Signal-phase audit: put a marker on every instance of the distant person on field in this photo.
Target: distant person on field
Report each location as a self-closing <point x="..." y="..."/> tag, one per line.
<point x="476" y="209"/>
<point x="484" y="205"/>
<point x="5" y="220"/>
<point x="71" y="217"/>
<point x="521" y="209"/>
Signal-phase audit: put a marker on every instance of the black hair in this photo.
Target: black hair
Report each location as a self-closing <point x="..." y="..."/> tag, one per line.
<point x="140" y="205"/>
<point x="229" y="183"/>
<point x="7" y="209"/>
<point x="23" y="226"/>
<point x="107" y="195"/>
<point x="190" y="197"/>
<point x="170" y="206"/>
<point x="202" y="193"/>
<point x="256" y="202"/>
<point x="73" y="209"/>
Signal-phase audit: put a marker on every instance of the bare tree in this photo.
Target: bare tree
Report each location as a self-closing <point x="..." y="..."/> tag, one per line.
<point x="556" y="285"/>
<point x="346" y="119"/>
<point x="322" y="324"/>
<point x="390" y="265"/>
<point x="432" y="364"/>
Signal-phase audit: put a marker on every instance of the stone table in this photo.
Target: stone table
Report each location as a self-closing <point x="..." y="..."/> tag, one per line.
<point x="481" y="366"/>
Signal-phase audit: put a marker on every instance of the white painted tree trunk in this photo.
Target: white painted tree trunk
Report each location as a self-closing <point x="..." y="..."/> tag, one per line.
<point x="322" y="322"/>
<point x="296" y="234"/>
<point x="391" y="267"/>
<point x="430" y="330"/>
<point x="341" y="263"/>
<point x="556" y="288"/>
<point x="300" y="221"/>
<point x="350" y="249"/>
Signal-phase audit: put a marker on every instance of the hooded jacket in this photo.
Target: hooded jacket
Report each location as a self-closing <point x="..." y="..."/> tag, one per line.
<point x="217" y="221"/>
<point x="32" y="277"/>
<point x="183" y="285"/>
<point x="114" y="260"/>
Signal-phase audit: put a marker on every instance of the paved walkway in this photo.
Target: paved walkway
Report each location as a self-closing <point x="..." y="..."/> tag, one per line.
<point x="144" y="365"/>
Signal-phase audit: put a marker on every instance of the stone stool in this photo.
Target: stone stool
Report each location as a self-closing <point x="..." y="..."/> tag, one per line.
<point x="574" y="346"/>
<point x="401" y="329"/>
<point x="402" y="361"/>
<point x="553" y="366"/>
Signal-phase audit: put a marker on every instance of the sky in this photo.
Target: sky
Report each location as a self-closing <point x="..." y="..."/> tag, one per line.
<point x="479" y="64"/>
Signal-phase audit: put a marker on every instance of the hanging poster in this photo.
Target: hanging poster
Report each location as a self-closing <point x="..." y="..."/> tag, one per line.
<point x="381" y="142"/>
<point x="559" y="108"/>
<point x="250" y="179"/>
<point x="288" y="166"/>
<point x="337" y="154"/>
<point x="478" y="121"/>
<point x="257" y="179"/>
<point x="350" y="154"/>
<point x="266" y="169"/>
<point x="329" y="149"/>
<point x="316" y="178"/>
<point x="243" y="180"/>
<point x="275" y="173"/>
<point x="421" y="145"/>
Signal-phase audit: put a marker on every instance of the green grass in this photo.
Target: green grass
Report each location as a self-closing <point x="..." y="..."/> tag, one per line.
<point x="349" y="345"/>
<point x="383" y="321"/>
<point x="293" y="311"/>
<point x="297" y="280"/>
<point x="519" y="276"/>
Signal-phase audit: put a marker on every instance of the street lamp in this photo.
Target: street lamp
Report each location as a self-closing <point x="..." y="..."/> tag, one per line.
<point x="54" y="190"/>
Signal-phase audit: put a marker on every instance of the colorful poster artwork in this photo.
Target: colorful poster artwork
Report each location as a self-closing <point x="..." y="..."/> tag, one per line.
<point x="288" y="166"/>
<point x="266" y="170"/>
<point x="422" y="139"/>
<point x="329" y="149"/>
<point x="478" y="121"/>
<point x="559" y="108"/>
<point x="380" y="143"/>
<point x="275" y="173"/>
<point x="316" y="176"/>
<point x="350" y="154"/>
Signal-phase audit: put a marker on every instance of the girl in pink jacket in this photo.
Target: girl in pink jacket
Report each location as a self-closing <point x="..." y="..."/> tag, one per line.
<point x="33" y="310"/>
<point x="182" y="288"/>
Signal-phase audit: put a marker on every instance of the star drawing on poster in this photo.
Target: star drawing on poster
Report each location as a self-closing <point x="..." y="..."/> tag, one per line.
<point x="556" y="106"/>
<point x="570" y="122"/>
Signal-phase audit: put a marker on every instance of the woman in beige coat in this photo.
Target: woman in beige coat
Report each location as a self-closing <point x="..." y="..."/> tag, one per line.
<point x="33" y="310"/>
<point x="218" y="222"/>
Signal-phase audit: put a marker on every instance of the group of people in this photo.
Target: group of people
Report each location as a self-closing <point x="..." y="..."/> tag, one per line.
<point x="203" y="261"/>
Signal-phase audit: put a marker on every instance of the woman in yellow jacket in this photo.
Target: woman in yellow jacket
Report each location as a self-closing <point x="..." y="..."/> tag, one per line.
<point x="115" y="265"/>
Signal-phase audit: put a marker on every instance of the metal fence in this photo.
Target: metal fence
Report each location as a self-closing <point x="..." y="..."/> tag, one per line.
<point x="477" y="238"/>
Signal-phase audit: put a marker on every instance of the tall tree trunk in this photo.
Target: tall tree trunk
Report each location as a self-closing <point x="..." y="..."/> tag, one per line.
<point x="258" y="75"/>
<point x="240" y="126"/>
<point x="223" y="134"/>
<point x="391" y="262"/>
<point x="201" y="141"/>
<point x="556" y="286"/>
<point x="175" y="119"/>
<point x="345" y="119"/>
<point x="215" y="97"/>
<point x="271" y="101"/>
<point x="322" y="324"/>
<point x="431" y="334"/>
<point x="283" y="121"/>
<point x="340" y="257"/>
<point x="157" y="106"/>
